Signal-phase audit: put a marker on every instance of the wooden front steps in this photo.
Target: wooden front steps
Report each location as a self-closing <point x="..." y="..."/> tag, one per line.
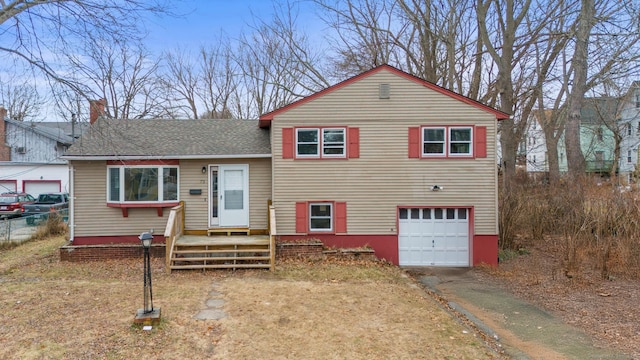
<point x="221" y="252"/>
<point x="228" y="231"/>
<point x="218" y="252"/>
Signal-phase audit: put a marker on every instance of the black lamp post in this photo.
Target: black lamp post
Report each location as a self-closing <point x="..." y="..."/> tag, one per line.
<point x="146" y="239"/>
<point x="148" y="315"/>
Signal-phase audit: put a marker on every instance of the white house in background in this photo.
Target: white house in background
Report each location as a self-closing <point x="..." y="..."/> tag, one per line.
<point x="30" y="154"/>
<point x="629" y="123"/>
<point x="536" y="147"/>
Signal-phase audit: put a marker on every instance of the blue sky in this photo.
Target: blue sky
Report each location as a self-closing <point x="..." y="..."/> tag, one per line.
<point x="203" y="20"/>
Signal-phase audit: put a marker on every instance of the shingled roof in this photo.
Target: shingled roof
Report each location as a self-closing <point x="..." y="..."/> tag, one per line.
<point x="180" y="139"/>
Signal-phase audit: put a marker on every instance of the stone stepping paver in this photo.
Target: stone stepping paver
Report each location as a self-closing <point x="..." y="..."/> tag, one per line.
<point x="213" y="310"/>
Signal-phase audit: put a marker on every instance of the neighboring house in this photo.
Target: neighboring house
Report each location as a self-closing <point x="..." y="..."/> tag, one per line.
<point x="629" y="123"/>
<point x="30" y="155"/>
<point x="597" y="141"/>
<point x="383" y="159"/>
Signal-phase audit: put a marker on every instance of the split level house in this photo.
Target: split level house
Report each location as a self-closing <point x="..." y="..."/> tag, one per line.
<point x="30" y="154"/>
<point x="383" y="159"/>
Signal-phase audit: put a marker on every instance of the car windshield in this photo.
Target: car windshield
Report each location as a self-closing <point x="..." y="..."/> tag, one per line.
<point x="8" y="199"/>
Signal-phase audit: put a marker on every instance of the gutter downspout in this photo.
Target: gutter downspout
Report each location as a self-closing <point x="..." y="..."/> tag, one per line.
<point x="72" y="202"/>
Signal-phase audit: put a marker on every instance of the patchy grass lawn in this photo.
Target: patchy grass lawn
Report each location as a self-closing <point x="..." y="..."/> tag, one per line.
<point x="52" y="310"/>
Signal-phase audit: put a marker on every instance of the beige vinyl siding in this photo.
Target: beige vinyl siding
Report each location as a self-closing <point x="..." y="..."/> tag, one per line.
<point x="384" y="177"/>
<point x="197" y="206"/>
<point x="94" y="218"/>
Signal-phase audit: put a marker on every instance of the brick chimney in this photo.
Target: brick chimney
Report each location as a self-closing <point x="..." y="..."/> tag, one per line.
<point x="96" y="109"/>
<point x="5" y="151"/>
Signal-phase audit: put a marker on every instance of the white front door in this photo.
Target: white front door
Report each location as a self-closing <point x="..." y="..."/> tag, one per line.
<point x="230" y="185"/>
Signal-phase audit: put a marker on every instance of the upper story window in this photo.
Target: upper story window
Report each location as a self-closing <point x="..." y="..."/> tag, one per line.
<point x="145" y="183"/>
<point x="447" y="141"/>
<point x="629" y="127"/>
<point x="321" y="142"/>
<point x="600" y="134"/>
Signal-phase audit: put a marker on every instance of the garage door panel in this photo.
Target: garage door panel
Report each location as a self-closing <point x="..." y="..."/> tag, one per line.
<point x="40" y="187"/>
<point x="433" y="237"/>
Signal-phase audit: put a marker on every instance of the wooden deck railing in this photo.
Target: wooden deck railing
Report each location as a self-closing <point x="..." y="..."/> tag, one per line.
<point x="173" y="231"/>
<point x="272" y="236"/>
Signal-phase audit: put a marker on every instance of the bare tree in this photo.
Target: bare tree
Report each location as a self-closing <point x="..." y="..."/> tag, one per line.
<point x="575" y="158"/>
<point x="21" y="100"/>
<point x="277" y="65"/>
<point x="38" y="33"/>
<point x="124" y="75"/>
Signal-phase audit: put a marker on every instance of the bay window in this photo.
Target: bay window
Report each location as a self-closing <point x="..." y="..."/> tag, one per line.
<point x="142" y="184"/>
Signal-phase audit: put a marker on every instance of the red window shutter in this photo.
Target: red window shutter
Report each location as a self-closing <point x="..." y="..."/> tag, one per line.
<point x="301" y="217"/>
<point x="414" y="142"/>
<point x="480" y="148"/>
<point x="341" y="217"/>
<point x="287" y="143"/>
<point x="354" y="143"/>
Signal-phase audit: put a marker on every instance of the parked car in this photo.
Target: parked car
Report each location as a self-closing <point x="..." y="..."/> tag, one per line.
<point x="45" y="204"/>
<point x="12" y="203"/>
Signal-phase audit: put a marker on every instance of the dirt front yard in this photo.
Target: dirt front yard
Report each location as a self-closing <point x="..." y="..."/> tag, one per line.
<point x="56" y="310"/>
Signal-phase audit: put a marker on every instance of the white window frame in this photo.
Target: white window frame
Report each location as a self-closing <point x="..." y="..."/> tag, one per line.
<point x="450" y="142"/>
<point x="330" y="217"/>
<point x="446" y="142"/>
<point x="334" y="145"/>
<point x="121" y="184"/>
<point x="317" y="143"/>
<point x="443" y="142"/>
<point x="322" y="145"/>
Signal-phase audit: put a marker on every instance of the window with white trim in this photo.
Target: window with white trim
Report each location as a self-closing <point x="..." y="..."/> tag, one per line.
<point x="447" y="141"/>
<point x="629" y="156"/>
<point x="148" y="184"/>
<point x="320" y="217"/>
<point x="321" y="142"/>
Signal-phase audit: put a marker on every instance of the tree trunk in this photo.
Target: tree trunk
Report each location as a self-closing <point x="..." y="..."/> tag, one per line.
<point x="575" y="158"/>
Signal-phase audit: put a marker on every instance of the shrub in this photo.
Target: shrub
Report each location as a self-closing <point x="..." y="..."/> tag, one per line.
<point x="52" y="226"/>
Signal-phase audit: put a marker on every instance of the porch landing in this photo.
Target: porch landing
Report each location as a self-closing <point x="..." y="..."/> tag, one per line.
<point x="222" y="240"/>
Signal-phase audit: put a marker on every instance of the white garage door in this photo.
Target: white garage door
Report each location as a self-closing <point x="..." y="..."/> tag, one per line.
<point x="40" y="187"/>
<point x="7" y="186"/>
<point x="433" y="237"/>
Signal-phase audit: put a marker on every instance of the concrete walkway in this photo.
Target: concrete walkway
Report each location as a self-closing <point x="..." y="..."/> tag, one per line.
<point x="524" y="330"/>
<point x="213" y="306"/>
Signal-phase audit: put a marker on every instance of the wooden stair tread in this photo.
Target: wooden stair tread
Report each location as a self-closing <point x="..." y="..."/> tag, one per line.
<point x="218" y="251"/>
<point x="221" y="258"/>
<point x="220" y="266"/>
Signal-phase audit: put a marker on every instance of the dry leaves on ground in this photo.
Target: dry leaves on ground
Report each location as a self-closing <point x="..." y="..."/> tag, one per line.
<point x="53" y="309"/>
<point x="605" y="309"/>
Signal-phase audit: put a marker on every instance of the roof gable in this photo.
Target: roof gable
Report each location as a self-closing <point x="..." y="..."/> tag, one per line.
<point x="265" y="119"/>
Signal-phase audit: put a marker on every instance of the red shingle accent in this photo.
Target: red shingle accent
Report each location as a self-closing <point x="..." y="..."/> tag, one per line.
<point x="354" y="143"/>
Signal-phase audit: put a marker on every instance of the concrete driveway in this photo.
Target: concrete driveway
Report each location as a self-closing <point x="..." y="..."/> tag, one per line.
<point x="524" y="330"/>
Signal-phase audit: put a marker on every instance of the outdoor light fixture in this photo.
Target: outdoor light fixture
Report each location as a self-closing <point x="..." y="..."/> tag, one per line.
<point x="147" y="315"/>
<point x="204" y="169"/>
